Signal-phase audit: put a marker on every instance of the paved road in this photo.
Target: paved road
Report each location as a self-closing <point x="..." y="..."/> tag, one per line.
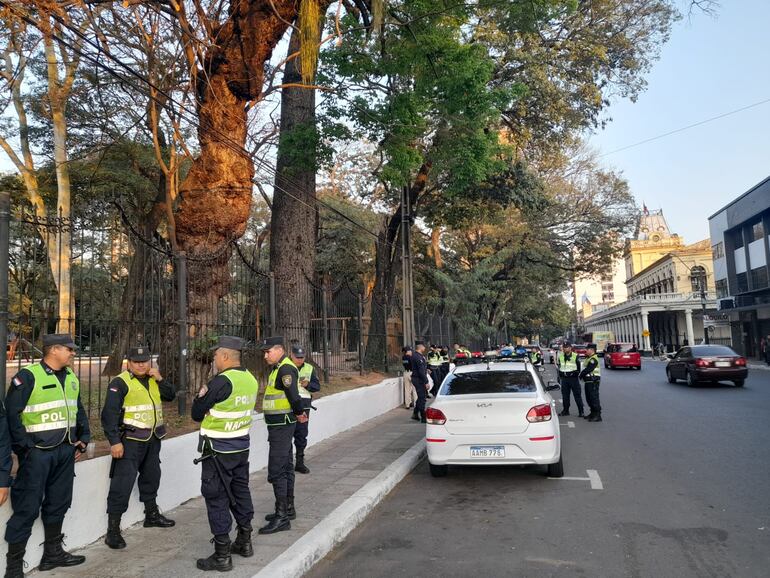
<point x="685" y="475"/>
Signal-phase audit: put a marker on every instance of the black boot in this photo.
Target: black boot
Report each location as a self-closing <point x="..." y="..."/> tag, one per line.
<point x="580" y="413"/>
<point x="564" y="412"/>
<point x="54" y="555"/>
<point x="220" y="560"/>
<point x="242" y="545"/>
<point x="301" y="467"/>
<point x="589" y="416"/>
<point x="154" y="519"/>
<point x="415" y="416"/>
<point x="597" y="417"/>
<point x="422" y="416"/>
<point x="113" y="538"/>
<point x="281" y="520"/>
<point x="292" y="513"/>
<point x="14" y="560"/>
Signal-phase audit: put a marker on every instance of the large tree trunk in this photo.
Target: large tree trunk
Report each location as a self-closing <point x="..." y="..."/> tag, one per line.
<point x="293" y="220"/>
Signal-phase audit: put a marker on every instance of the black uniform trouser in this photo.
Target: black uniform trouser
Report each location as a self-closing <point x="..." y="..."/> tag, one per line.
<point x="141" y="457"/>
<point x="592" y="396"/>
<point x="437" y="375"/>
<point x="43" y="486"/>
<point x="422" y="395"/>
<point x="280" y="459"/>
<point x="234" y="470"/>
<point x="571" y="383"/>
<point x="300" y="434"/>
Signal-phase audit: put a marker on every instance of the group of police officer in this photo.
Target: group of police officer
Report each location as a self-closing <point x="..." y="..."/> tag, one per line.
<point x="43" y="422"/>
<point x="570" y="374"/>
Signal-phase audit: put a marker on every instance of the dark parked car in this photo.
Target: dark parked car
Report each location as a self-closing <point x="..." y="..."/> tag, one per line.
<point x="700" y="363"/>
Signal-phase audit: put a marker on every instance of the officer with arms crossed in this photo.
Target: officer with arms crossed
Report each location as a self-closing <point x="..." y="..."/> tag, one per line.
<point x="308" y="385"/>
<point x="224" y="409"/>
<point x="49" y="432"/>
<point x="591" y="376"/>
<point x="132" y="419"/>
<point x="569" y="369"/>
<point x="282" y="408"/>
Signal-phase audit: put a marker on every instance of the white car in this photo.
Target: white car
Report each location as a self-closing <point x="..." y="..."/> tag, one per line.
<point x="496" y="413"/>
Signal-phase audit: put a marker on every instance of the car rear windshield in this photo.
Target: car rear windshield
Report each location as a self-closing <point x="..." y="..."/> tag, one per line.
<point x="708" y="351"/>
<point x="489" y="382"/>
<point x="622" y="348"/>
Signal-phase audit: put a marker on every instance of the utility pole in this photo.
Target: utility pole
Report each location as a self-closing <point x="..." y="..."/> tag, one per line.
<point x="702" y="285"/>
<point x="406" y="267"/>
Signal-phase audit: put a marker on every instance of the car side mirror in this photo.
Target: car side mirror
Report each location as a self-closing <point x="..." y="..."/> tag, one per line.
<point x="552" y="386"/>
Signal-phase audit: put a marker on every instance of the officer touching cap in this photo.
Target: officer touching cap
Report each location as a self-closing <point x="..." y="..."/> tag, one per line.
<point x="308" y="384"/>
<point x="132" y="419"/>
<point x="282" y="408"/>
<point x="49" y="432"/>
<point x="224" y="408"/>
<point x="569" y="370"/>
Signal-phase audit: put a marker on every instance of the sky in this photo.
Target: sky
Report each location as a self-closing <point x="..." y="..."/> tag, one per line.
<point x="710" y="66"/>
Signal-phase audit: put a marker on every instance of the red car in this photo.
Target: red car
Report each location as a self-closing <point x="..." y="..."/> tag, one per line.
<point x="580" y="350"/>
<point x="622" y="355"/>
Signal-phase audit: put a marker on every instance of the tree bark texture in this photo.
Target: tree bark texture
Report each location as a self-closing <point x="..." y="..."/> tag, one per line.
<point x="293" y="220"/>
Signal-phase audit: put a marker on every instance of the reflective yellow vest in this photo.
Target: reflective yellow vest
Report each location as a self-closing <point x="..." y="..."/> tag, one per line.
<point x="142" y="409"/>
<point x="50" y="415"/>
<point x="232" y="417"/>
<point x="305" y="373"/>
<point x="275" y="401"/>
<point x="596" y="373"/>
<point x="566" y="366"/>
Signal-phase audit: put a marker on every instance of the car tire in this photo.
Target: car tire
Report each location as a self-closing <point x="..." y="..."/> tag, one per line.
<point x="438" y="471"/>
<point x="691" y="381"/>
<point x="671" y="378"/>
<point x="638" y="368"/>
<point x="607" y="365"/>
<point x="556" y="470"/>
<point x="738" y="382"/>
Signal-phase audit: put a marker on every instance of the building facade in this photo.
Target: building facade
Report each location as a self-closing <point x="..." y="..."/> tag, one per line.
<point x="740" y="240"/>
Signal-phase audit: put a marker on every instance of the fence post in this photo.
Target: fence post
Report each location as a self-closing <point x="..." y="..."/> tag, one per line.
<point x="5" y="224"/>
<point x="181" y="281"/>
<point x="387" y="317"/>
<point x="325" y="335"/>
<point x="361" y="334"/>
<point x="271" y="277"/>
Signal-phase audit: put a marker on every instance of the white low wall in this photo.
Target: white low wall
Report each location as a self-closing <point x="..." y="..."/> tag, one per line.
<point x="86" y="521"/>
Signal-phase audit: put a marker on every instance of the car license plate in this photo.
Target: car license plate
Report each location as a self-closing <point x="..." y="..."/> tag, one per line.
<point x="487" y="451"/>
<point x="722" y="364"/>
<point x="626" y="357"/>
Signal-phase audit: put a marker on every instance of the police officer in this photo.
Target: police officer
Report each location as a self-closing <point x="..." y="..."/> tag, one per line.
<point x="445" y="362"/>
<point x="5" y="462"/>
<point x="49" y="432"/>
<point x="569" y="370"/>
<point x="224" y="408"/>
<point x="410" y="394"/>
<point x="282" y="408"/>
<point x="535" y="357"/>
<point x="308" y="385"/>
<point x="591" y="376"/>
<point x="419" y="380"/>
<point x="132" y="419"/>
<point x="434" y="366"/>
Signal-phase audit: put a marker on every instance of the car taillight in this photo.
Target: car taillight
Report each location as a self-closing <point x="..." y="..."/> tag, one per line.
<point x="702" y="362"/>
<point x="741" y="361"/>
<point x="435" y="416"/>
<point x="539" y="413"/>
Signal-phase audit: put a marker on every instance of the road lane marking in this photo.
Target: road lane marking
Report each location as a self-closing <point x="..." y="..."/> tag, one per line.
<point x="596" y="481"/>
<point x="574" y="479"/>
<point x="569" y="424"/>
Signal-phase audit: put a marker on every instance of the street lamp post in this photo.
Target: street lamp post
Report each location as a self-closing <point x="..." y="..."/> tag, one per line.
<point x="702" y="284"/>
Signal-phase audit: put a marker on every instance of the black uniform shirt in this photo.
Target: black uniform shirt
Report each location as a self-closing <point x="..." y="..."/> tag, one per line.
<point x="419" y="369"/>
<point x="287" y="380"/>
<point x="5" y="450"/>
<point x="113" y="404"/>
<point x="589" y="367"/>
<point x="16" y="400"/>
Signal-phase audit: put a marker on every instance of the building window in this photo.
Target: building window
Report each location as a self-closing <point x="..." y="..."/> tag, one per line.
<point x="721" y="287"/>
<point x="757" y="231"/>
<point x="742" y="282"/>
<point x="697" y="276"/>
<point x="759" y="278"/>
<point x="738" y="239"/>
<point x="718" y="250"/>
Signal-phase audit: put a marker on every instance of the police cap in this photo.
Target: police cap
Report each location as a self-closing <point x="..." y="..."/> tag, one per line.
<point x="566" y="344"/>
<point x="591" y="346"/>
<point x="298" y="352"/>
<point x="141" y="353"/>
<point x="271" y="342"/>
<point x="64" y="339"/>
<point x="416" y="343"/>
<point x="230" y="342"/>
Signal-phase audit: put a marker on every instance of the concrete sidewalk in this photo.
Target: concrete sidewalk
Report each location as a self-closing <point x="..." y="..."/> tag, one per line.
<point x="340" y="466"/>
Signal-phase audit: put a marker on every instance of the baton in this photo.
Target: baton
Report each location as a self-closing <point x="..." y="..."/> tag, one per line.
<point x="217" y="467"/>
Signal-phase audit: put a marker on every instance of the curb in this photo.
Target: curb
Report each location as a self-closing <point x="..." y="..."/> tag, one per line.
<point x="315" y="544"/>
